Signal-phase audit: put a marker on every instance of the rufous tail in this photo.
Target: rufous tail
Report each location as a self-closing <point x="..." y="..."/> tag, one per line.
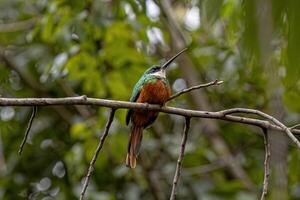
<point x="134" y="145"/>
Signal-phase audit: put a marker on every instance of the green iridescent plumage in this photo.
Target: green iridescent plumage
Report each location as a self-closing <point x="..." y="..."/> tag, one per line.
<point x="145" y="79"/>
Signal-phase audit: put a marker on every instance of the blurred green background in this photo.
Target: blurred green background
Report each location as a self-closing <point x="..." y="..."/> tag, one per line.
<point x="59" y="48"/>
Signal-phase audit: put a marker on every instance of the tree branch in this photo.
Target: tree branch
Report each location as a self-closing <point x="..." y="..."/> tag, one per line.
<point x="27" y="130"/>
<point x="266" y="164"/>
<point x="83" y="100"/>
<point x="18" y="26"/>
<point x="204" y="169"/>
<point x="215" y="82"/>
<point x="180" y="157"/>
<point x="262" y="114"/>
<point x="24" y="74"/>
<point x="295" y="126"/>
<point x="99" y="147"/>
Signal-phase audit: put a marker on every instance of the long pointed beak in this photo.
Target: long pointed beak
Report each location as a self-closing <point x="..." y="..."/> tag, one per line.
<point x="164" y="67"/>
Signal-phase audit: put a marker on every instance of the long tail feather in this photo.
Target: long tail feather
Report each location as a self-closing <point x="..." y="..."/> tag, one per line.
<point x="136" y="136"/>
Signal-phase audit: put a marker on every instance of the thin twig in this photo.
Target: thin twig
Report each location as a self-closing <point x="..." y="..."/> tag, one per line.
<point x="266" y="165"/>
<point x="215" y="82"/>
<point x="262" y="114"/>
<point x="295" y="126"/>
<point x="19" y="25"/>
<point x="27" y="130"/>
<point x="99" y="147"/>
<point x="25" y="75"/>
<point x="180" y="158"/>
<point x="205" y="169"/>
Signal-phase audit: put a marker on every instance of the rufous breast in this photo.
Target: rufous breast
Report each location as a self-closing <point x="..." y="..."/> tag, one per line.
<point x="155" y="93"/>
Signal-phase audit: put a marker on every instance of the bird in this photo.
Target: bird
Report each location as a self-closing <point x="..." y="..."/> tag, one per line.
<point x="153" y="88"/>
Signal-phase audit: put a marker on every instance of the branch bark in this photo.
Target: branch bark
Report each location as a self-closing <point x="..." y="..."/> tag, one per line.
<point x="262" y="114"/>
<point x="83" y="100"/>
<point x="27" y="130"/>
<point x="180" y="158"/>
<point x="295" y="126"/>
<point x="32" y="83"/>
<point x="215" y="82"/>
<point x="18" y="26"/>
<point x="99" y="147"/>
<point x="266" y="165"/>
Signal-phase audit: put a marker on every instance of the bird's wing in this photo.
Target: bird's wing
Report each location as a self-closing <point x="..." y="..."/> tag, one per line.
<point x="134" y="96"/>
<point x="136" y="92"/>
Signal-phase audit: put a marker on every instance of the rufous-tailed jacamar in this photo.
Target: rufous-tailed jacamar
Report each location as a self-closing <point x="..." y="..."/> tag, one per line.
<point x="153" y="88"/>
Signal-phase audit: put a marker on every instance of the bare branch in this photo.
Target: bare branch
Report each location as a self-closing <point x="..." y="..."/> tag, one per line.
<point x="83" y="100"/>
<point x="295" y="126"/>
<point x="18" y="26"/>
<point x="99" y="147"/>
<point x="22" y="72"/>
<point x="68" y="90"/>
<point x="215" y="82"/>
<point x="180" y="157"/>
<point x="266" y="164"/>
<point x="204" y="169"/>
<point x="27" y="130"/>
<point x="272" y="119"/>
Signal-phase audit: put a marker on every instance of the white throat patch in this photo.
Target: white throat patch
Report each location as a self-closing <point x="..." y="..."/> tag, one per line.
<point x="161" y="74"/>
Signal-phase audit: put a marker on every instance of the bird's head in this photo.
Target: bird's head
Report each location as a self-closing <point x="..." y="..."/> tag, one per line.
<point x="160" y="71"/>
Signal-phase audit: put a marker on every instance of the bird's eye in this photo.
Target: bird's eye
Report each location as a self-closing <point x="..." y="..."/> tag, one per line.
<point x="153" y="69"/>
